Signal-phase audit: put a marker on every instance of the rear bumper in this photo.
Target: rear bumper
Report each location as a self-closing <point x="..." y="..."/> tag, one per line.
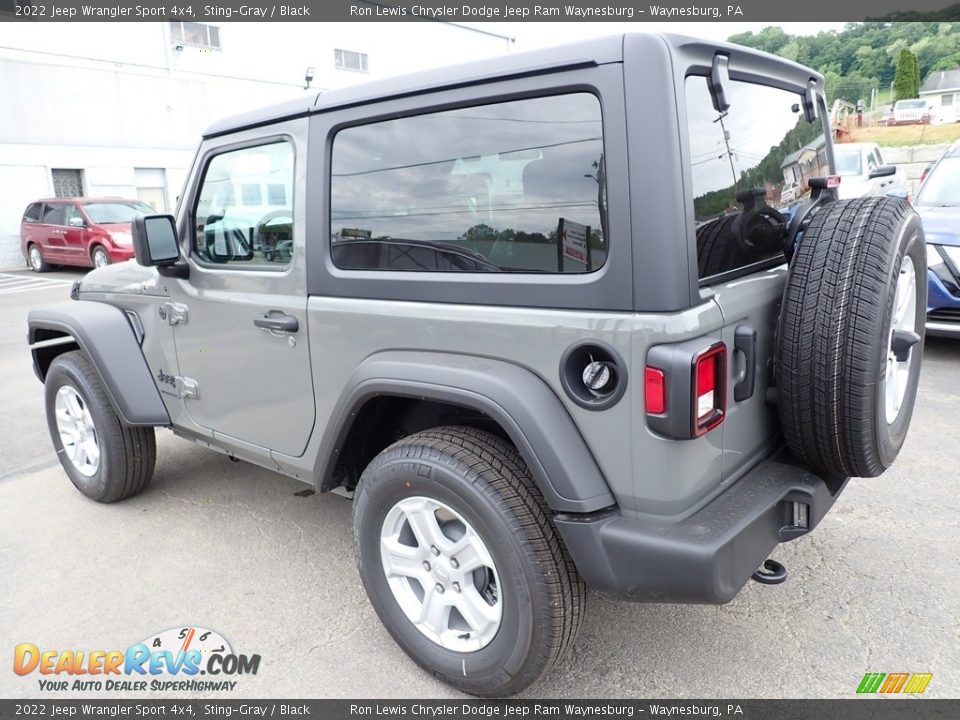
<point x="707" y="557"/>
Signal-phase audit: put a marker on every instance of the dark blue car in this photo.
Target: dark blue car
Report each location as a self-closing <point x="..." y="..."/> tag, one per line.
<point x="938" y="203"/>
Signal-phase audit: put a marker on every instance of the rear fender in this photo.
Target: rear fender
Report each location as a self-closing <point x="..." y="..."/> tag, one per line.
<point x="524" y="406"/>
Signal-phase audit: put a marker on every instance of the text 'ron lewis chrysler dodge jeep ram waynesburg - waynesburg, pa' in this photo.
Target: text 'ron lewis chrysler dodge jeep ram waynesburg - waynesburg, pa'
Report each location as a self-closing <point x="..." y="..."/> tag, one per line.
<point x="547" y="338"/>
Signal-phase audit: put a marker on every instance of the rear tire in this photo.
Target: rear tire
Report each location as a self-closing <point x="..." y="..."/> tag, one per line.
<point x="113" y="461"/>
<point x="35" y="259"/>
<point x="849" y="311"/>
<point x="483" y="483"/>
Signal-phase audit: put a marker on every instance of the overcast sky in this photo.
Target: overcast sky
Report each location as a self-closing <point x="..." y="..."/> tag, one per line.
<point x="530" y="35"/>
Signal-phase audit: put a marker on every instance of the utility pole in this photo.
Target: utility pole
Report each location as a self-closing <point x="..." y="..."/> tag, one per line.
<point x="726" y="141"/>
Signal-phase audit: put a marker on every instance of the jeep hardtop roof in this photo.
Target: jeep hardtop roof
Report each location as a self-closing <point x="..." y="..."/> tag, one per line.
<point x="598" y="51"/>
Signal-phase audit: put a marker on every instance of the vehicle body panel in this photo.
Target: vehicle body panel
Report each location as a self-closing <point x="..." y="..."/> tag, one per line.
<point x="255" y="385"/>
<point x="941" y="227"/>
<point x="105" y="334"/>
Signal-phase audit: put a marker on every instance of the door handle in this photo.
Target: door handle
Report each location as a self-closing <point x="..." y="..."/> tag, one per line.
<point x="278" y="321"/>
<point x="745" y="340"/>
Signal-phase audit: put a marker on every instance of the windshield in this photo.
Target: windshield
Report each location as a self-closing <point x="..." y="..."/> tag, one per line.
<point x="116" y="212"/>
<point x="910" y="104"/>
<point x="942" y="188"/>
<point x="848" y="161"/>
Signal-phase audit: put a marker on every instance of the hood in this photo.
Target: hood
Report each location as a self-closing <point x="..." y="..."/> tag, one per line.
<point x="941" y="225"/>
<point x="119" y="231"/>
<point x="126" y="277"/>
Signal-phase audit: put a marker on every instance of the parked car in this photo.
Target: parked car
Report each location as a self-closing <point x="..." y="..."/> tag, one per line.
<point x="527" y="363"/>
<point x="86" y="232"/>
<point x="911" y="112"/>
<point x="863" y="172"/>
<point x="938" y="202"/>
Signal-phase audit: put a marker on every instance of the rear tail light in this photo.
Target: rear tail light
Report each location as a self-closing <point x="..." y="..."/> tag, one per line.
<point x="685" y="387"/>
<point x="709" y="388"/>
<point x="655" y="391"/>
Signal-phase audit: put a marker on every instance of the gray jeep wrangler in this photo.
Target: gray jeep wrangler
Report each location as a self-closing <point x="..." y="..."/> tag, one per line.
<point x="544" y="317"/>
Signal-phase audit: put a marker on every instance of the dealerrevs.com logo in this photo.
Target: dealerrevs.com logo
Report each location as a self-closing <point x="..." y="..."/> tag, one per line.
<point x="170" y="660"/>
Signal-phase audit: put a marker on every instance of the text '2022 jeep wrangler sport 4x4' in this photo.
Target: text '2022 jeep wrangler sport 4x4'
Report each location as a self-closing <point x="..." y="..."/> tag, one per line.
<point x="542" y="316"/>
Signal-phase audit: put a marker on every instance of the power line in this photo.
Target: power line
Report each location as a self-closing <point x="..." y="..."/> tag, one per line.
<point x="454" y="159"/>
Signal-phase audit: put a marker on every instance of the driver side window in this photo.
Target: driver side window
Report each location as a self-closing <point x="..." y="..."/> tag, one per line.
<point x="244" y="211"/>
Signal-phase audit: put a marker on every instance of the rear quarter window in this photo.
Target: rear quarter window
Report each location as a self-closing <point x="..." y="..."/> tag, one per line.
<point x="32" y="213"/>
<point x="54" y="214"/>
<point x="508" y="187"/>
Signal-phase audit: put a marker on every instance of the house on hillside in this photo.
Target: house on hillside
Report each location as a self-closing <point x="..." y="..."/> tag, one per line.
<point x="801" y="165"/>
<point x="942" y="93"/>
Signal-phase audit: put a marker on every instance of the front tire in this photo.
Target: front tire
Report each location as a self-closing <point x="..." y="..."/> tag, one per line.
<point x="100" y="257"/>
<point x="106" y="460"/>
<point x="461" y="561"/>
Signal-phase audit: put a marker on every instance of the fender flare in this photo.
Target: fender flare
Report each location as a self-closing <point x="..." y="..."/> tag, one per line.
<point x="104" y="333"/>
<point x="522" y="403"/>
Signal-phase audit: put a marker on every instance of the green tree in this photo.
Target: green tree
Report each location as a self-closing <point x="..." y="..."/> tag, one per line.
<point x="906" y="82"/>
<point x="930" y="49"/>
<point x="950" y="62"/>
<point x="481" y="233"/>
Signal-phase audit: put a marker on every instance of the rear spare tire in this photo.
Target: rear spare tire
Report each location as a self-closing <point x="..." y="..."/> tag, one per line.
<point x="850" y="336"/>
<point x="722" y="245"/>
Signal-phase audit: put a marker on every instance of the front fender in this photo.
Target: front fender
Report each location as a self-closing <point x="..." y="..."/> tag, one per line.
<point x="520" y="402"/>
<point x="104" y="333"/>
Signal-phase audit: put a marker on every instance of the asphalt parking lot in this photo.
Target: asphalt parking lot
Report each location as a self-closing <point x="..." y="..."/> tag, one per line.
<point x="231" y="547"/>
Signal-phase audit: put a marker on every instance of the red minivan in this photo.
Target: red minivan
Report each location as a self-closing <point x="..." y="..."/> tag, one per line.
<point x="89" y="232"/>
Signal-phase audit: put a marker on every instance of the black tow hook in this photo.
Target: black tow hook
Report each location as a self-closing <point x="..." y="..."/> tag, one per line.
<point x="771" y="573"/>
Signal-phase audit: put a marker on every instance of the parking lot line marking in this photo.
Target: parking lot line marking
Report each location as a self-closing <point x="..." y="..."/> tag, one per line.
<point x="11" y="284"/>
<point x="8" y="277"/>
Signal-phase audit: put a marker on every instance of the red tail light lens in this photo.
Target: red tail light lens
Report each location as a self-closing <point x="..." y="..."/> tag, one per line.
<point x="654" y="391"/>
<point x="709" y="389"/>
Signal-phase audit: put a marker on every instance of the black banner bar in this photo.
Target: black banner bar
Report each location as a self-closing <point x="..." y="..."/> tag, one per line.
<point x="199" y="709"/>
<point x="650" y="11"/>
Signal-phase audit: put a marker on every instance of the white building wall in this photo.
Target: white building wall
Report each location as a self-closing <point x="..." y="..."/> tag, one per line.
<point x="111" y="98"/>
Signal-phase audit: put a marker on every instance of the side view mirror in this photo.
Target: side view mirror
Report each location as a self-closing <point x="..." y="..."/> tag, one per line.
<point x="76" y="222"/>
<point x="883" y="171"/>
<point x="155" y="242"/>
